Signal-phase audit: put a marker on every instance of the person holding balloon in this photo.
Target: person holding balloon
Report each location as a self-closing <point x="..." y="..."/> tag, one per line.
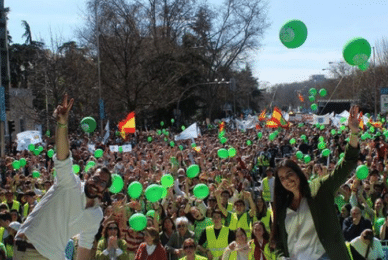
<point x="303" y="210"/>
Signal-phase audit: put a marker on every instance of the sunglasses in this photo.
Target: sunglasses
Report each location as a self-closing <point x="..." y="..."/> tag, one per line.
<point x="113" y="228"/>
<point x="189" y="246"/>
<point x="181" y="226"/>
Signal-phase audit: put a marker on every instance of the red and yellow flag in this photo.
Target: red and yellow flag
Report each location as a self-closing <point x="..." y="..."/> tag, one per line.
<point x="300" y="97"/>
<point x="361" y="121"/>
<point x="262" y="115"/>
<point x="277" y="117"/>
<point x="271" y="124"/>
<point x="128" y="125"/>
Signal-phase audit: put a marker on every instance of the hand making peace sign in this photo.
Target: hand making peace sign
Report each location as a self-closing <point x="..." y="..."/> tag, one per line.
<point x="61" y="113"/>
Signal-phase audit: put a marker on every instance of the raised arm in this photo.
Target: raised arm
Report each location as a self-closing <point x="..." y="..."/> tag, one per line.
<point x="61" y="114"/>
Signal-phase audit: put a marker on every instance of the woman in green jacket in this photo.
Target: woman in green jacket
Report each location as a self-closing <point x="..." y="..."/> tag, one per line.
<point x="305" y="220"/>
<point x="111" y="246"/>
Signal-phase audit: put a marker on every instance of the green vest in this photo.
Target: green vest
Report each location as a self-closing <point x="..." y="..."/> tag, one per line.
<point x="9" y="248"/>
<point x="197" y="257"/>
<point x="349" y="250"/>
<point x="267" y="253"/>
<point x="245" y="222"/>
<point x="25" y="210"/>
<point x="266" y="190"/>
<point x="267" y="220"/>
<point x="218" y="245"/>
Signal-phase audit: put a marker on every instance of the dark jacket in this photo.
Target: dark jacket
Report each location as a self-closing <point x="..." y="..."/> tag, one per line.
<point x="352" y="231"/>
<point x="323" y="211"/>
<point x="176" y="242"/>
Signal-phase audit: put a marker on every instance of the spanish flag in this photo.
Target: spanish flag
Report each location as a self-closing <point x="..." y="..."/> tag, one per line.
<point x="128" y="125"/>
<point x="300" y="97"/>
<point x="271" y="124"/>
<point x="262" y="115"/>
<point x="361" y="121"/>
<point x="277" y="117"/>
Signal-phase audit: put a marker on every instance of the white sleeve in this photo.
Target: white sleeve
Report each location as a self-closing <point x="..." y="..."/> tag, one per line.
<point x="64" y="171"/>
<point x="86" y="237"/>
<point x="177" y="190"/>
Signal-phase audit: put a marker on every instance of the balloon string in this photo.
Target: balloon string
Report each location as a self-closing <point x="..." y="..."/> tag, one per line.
<point x="332" y="94"/>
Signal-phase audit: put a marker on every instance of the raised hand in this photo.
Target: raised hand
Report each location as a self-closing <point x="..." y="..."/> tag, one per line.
<point x="61" y="113"/>
<point x="353" y="120"/>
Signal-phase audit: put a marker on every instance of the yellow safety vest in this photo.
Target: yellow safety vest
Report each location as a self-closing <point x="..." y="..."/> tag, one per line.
<point x="197" y="257"/>
<point x="218" y="245"/>
<point x="266" y="220"/>
<point x="349" y="250"/>
<point x="230" y="207"/>
<point x="266" y="190"/>
<point x="235" y="223"/>
<point x="267" y="253"/>
<point x="9" y="248"/>
<point x="15" y="205"/>
<point x="25" y="210"/>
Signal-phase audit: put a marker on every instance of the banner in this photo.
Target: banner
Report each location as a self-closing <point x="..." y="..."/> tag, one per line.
<point x="28" y="137"/>
<point x="114" y="148"/>
<point x="127" y="148"/>
<point x="248" y="123"/>
<point x="189" y="133"/>
<point x="322" y="120"/>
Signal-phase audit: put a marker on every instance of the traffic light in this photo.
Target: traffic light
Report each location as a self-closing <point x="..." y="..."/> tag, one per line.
<point x="11" y="126"/>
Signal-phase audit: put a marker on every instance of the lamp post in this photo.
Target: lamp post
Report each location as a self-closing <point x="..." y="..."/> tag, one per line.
<point x="100" y="101"/>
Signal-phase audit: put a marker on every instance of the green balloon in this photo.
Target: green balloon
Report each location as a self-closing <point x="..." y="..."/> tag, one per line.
<point x="50" y="153"/>
<point x="40" y="148"/>
<point x="167" y="180"/>
<point x="333" y="132"/>
<point x="221" y="134"/>
<point x="87" y="168"/>
<point x="165" y="139"/>
<point x="307" y="158"/>
<point x="91" y="163"/>
<point x="223" y="140"/>
<point x="193" y="145"/>
<point x="98" y="153"/>
<point x="293" y="34"/>
<point x="300" y="125"/>
<point x="158" y="132"/>
<point x="312" y="91"/>
<point x="117" y="184"/>
<point x="183" y="128"/>
<point x="292" y="141"/>
<point x="322" y="92"/>
<point x="321" y="146"/>
<point x="249" y="142"/>
<point x="23" y="162"/>
<point x="162" y="123"/>
<point x="149" y="139"/>
<point x="138" y="221"/>
<point x="326" y="152"/>
<point x="232" y="152"/>
<point x="357" y="51"/>
<point x="180" y="147"/>
<point x="322" y="127"/>
<point x="312" y="99"/>
<point x="167" y="133"/>
<point x="321" y="139"/>
<point x="48" y="133"/>
<point x="299" y="154"/>
<point x="76" y="168"/>
<point x="36" y="152"/>
<point x="172" y="121"/>
<point x="16" y="164"/>
<point x="192" y="171"/>
<point x="343" y="120"/>
<point x="372" y="129"/>
<point x="342" y="127"/>
<point x="172" y="144"/>
<point x="314" y="107"/>
<point x="222" y="153"/>
<point x="150" y="213"/>
<point x="120" y="149"/>
<point x="35" y="174"/>
<point x="135" y="189"/>
<point x="362" y="172"/>
<point x="259" y="135"/>
<point x="31" y="147"/>
<point x="303" y="137"/>
<point x="153" y="193"/>
<point x="164" y="192"/>
<point x="201" y="191"/>
<point x="272" y="136"/>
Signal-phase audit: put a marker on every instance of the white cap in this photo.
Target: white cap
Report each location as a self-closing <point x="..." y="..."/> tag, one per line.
<point x="15" y="225"/>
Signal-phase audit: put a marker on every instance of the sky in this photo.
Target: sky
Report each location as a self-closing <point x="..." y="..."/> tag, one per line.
<point x="330" y="24"/>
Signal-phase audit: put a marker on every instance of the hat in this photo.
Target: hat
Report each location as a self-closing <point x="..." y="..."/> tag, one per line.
<point x="15" y="225"/>
<point x="30" y="193"/>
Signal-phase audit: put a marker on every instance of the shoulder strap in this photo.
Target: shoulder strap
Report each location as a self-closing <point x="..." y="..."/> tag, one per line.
<point x="228" y="219"/>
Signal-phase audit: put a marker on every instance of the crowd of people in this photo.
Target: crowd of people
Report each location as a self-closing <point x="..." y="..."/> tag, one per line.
<point x="264" y="202"/>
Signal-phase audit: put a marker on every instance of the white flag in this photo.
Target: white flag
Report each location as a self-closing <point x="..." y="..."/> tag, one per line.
<point x="106" y="136"/>
<point x="189" y="133"/>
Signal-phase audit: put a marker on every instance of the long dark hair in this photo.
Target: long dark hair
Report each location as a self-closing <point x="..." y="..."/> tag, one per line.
<point x="265" y="234"/>
<point x="283" y="197"/>
<point x="263" y="213"/>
